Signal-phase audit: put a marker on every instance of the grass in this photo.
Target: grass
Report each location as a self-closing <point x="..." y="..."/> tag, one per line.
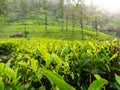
<point x="54" y="32"/>
<point x="36" y="29"/>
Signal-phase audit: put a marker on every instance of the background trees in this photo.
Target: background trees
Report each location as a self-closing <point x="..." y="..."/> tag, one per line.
<point x="3" y="11"/>
<point x="3" y="7"/>
<point x="61" y="13"/>
<point x="64" y="13"/>
<point x="80" y="6"/>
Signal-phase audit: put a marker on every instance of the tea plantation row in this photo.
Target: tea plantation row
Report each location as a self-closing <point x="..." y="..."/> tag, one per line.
<point x="42" y="64"/>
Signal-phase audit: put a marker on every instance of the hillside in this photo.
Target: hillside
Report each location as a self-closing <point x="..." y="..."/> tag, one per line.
<point x="54" y="32"/>
<point x="58" y="45"/>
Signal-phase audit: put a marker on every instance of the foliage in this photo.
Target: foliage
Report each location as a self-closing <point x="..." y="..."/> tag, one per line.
<point x="98" y="84"/>
<point x="35" y="31"/>
<point x="60" y="65"/>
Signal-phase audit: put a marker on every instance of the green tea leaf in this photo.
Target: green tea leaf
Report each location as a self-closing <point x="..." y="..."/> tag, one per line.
<point x="114" y="56"/>
<point x="58" y="60"/>
<point x="1" y="68"/>
<point x="116" y="85"/>
<point x="34" y="64"/>
<point x="117" y="78"/>
<point x="19" y="87"/>
<point x="91" y="45"/>
<point x="98" y="84"/>
<point x="15" y="73"/>
<point x="1" y="86"/>
<point x="62" y="85"/>
<point x="9" y="72"/>
<point x="97" y="76"/>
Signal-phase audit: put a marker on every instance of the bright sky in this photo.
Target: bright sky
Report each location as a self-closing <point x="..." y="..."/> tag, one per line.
<point x="109" y="5"/>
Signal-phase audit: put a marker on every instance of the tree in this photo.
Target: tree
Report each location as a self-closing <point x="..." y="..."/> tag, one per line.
<point x="67" y="12"/>
<point x="60" y="10"/>
<point x="82" y="14"/>
<point x="24" y="8"/>
<point x="95" y="17"/>
<point x="3" y="12"/>
<point x="74" y="14"/>
<point x="3" y="7"/>
<point x="46" y="7"/>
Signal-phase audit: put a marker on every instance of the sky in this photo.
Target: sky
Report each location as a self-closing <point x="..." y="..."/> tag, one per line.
<point x="109" y="5"/>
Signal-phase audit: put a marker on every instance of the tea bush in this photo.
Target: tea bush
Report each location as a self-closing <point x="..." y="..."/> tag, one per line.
<point x="42" y="64"/>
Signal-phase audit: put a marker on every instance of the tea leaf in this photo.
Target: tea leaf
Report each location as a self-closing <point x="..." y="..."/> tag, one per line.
<point x="2" y="86"/>
<point x="9" y="72"/>
<point x="98" y="84"/>
<point x="117" y="78"/>
<point x="97" y="76"/>
<point x="1" y="68"/>
<point x="114" y="56"/>
<point x="91" y="45"/>
<point x="34" y="64"/>
<point x="62" y="85"/>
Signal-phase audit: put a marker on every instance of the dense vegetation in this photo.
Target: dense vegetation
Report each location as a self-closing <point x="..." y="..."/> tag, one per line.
<point x="56" y="17"/>
<point x="63" y="46"/>
<point x="45" y="64"/>
<point x="54" y="33"/>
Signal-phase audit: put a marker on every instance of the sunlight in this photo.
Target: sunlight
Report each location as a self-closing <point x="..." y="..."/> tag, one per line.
<point x="109" y="5"/>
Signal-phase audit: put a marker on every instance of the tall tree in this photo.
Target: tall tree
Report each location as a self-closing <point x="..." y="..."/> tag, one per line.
<point x="3" y="7"/>
<point x="46" y="7"/>
<point x="67" y="12"/>
<point x="82" y="15"/>
<point x="95" y="16"/>
<point x="60" y="10"/>
<point x="74" y="14"/>
<point x="24" y="8"/>
<point x="3" y="12"/>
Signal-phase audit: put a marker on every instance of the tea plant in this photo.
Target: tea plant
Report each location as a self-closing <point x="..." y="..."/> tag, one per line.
<point x="42" y="64"/>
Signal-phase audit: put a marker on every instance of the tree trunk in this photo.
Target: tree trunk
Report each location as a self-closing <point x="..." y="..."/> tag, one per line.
<point x="25" y="32"/>
<point x="62" y="25"/>
<point x="81" y="23"/>
<point x="46" y="29"/>
<point x="73" y="29"/>
<point x="67" y="22"/>
<point x="62" y="28"/>
<point x="73" y="24"/>
<point x="96" y="27"/>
